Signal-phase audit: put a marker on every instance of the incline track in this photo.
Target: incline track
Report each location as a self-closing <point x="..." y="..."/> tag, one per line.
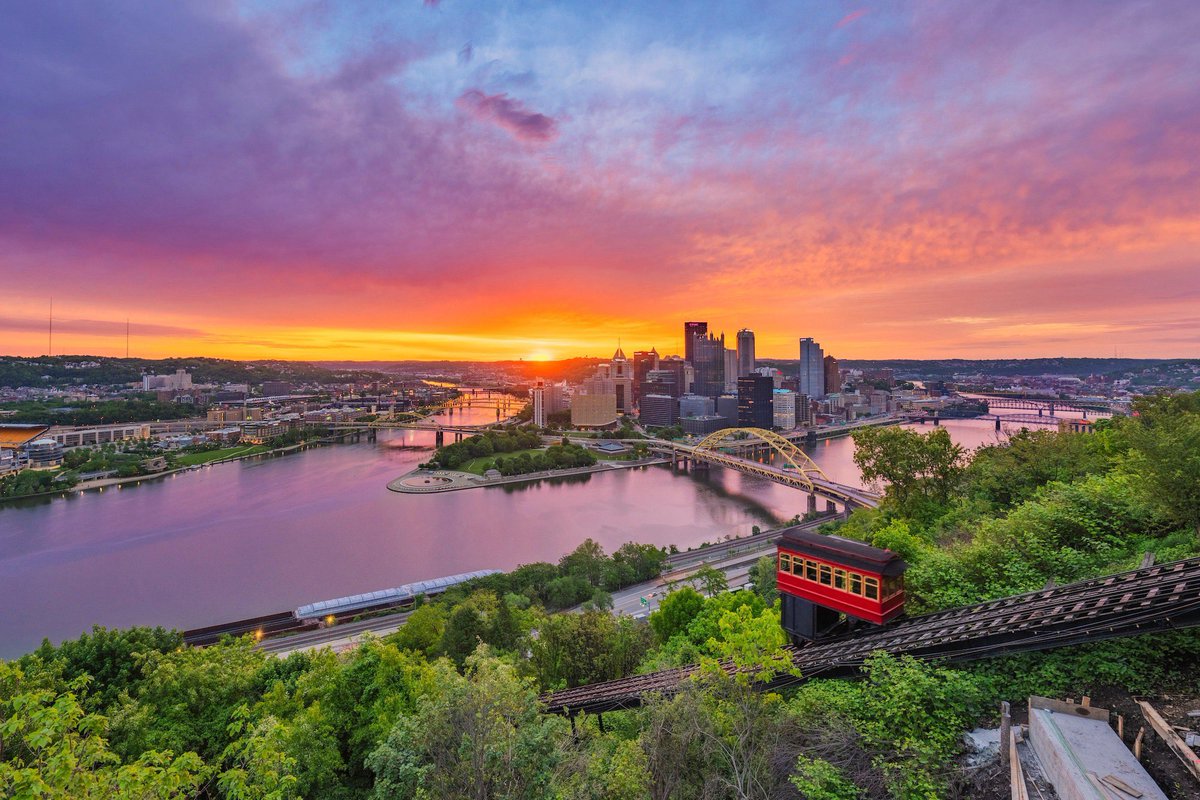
<point x="1155" y="598"/>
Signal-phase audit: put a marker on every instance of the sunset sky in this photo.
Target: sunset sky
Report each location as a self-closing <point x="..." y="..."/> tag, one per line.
<point x="486" y="180"/>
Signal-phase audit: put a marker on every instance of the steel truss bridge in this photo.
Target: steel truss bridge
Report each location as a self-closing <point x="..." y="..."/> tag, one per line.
<point x="1155" y="598"/>
<point x="728" y="448"/>
<point x="1041" y="405"/>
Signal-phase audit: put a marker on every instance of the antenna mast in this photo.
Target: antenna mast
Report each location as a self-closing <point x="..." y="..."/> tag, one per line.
<point x="127" y="337"/>
<point x="50" y="337"/>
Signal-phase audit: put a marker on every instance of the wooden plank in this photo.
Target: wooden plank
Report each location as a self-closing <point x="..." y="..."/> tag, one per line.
<point x="1185" y="753"/>
<point x="1074" y="709"/>
<point x="1121" y="726"/>
<point x="1005" y="733"/>
<point x="1016" y="774"/>
<point x="1137" y="743"/>
<point x="1117" y="783"/>
<point x="1104" y="792"/>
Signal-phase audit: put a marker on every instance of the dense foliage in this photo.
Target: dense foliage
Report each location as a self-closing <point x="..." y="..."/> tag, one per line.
<point x="446" y="707"/>
<point x="523" y="445"/>
<point x="77" y="370"/>
<point x="106" y="412"/>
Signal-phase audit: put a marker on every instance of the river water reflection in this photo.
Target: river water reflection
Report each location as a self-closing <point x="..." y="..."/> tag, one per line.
<point x="259" y="536"/>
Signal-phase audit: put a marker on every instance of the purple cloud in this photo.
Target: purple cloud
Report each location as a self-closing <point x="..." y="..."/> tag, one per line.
<point x="509" y="114"/>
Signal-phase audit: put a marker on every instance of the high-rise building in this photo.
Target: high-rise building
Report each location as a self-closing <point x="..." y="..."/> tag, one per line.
<point x="621" y="373"/>
<point x="804" y="411"/>
<point x="812" y="369"/>
<point x="547" y="399"/>
<point x="691" y="330"/>
<point x="754" y="402"/>
<point x="643" y="362"/>
<point x="695" y="405"/>
<point x="833" y="375"/>
<point x="595" y="401"/>
<point x="658" y="410"/>
<point x="745" y="352"/>
<point x="708" y="359"/>
<point x="783" y="409"/>
<point x="731" y="371"/>
<point x="538" y="395"/>
<point x="682" y="370"/>
<point x="727" y="407"/>
<point x="659" y="381"/>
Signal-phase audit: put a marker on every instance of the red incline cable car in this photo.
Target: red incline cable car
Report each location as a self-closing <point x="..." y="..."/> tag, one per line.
<point x="824" y="577"/>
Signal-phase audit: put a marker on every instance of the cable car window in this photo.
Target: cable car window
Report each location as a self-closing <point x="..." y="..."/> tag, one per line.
<point x="839" y="579"/>
<point x="810" y="570"/>
<point x="855" y="583"/>
<point x="826" y="575"/>
<point x="785" y="562"/>
<point x="872" y="588"/>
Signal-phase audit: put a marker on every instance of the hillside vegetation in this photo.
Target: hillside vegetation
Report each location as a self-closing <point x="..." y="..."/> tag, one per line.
<point x="447" y="706"/>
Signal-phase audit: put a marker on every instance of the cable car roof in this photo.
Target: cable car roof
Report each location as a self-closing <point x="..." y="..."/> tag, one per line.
<point x="840" y="550"/>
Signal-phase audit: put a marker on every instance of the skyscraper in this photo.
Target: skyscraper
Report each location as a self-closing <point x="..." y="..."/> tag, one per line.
<point x="812" y="368"/>
<point x="538" y="392"/>
<point x="643" y="362"/>
<point x="690" y="331"/>
<point x="833" y="376"/>
<point x="621" y="372"/>
<point x="731" y="371"/>
<point x="754" y="402"/>
<point x="745" y="352"/>
<point x="708" y="354"/>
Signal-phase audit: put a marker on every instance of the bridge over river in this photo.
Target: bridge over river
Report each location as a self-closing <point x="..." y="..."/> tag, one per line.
<point x="750" y="451"/>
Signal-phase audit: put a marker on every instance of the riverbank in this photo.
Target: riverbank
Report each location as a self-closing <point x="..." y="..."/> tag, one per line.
<point x="424" y="481"/>
<point x="100" y="484"/>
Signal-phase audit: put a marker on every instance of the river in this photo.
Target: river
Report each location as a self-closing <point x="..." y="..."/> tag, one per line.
<point x="253" y="537"/>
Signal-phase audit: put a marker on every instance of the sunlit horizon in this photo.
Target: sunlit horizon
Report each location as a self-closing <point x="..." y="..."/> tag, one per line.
<point x="446" y="181"/>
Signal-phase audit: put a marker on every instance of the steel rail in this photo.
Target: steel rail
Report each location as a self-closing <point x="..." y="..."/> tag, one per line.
<point x="1159" y="597"/>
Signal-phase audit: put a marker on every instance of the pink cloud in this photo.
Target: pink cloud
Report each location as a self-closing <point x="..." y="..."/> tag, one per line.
<point x="851" y="17"/>
<point x="509" y="114"/>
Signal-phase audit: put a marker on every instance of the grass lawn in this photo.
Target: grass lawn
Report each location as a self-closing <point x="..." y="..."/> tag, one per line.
<point x="482" y="464"/>
<point x="191" y="459"/>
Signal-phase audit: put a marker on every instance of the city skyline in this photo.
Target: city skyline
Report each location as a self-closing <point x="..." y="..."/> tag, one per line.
<point x="445" y="180"/>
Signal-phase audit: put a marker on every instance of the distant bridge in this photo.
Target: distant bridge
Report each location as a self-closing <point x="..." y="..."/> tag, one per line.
<point x="1042" y="406"/>
<point x="798" y="470"/>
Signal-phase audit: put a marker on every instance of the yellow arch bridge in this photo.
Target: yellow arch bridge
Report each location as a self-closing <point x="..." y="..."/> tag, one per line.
<point x="740" y="448"/>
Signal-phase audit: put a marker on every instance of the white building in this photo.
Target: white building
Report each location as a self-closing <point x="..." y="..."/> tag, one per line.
<point x="171" y="383"/>
<point x="775" y="375"/>
<point x="783" y="405"/>
<point x="731" y="371"/>
<point x="812" y="368"/>
<point x="547" y="399"/>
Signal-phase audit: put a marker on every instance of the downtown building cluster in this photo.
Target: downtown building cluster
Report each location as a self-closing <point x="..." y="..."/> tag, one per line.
<point x="709" y="387"/>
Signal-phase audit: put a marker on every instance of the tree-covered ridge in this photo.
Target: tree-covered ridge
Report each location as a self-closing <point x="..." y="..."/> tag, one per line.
<point x="79" y="370"/>
<point x="446" y="707"/>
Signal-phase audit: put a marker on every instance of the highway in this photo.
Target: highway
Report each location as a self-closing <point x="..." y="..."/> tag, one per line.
<point x="734" y="558"/>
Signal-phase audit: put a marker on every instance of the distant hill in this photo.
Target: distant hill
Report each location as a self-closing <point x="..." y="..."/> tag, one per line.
<point x="949" y="367"/>
<point x="77" y="370"/>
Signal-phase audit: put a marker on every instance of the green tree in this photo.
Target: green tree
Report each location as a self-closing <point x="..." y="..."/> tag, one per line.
<point x="423" y="631"/>
<point x="675" y="612"/>
<point x="186" y="699"/>
<point x="710" y="580"/>
<point x="922" y="472"/>
<point x="480" y="735"/>
<point x="578" y="649"/>
<point x="110" y="657"/>
<point x="587" y="561"/>
<point x="1165" y="454"/>
<point x="465" y="629"/>
<point x="764" y="576"/>
<point x="53" y="748"/>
